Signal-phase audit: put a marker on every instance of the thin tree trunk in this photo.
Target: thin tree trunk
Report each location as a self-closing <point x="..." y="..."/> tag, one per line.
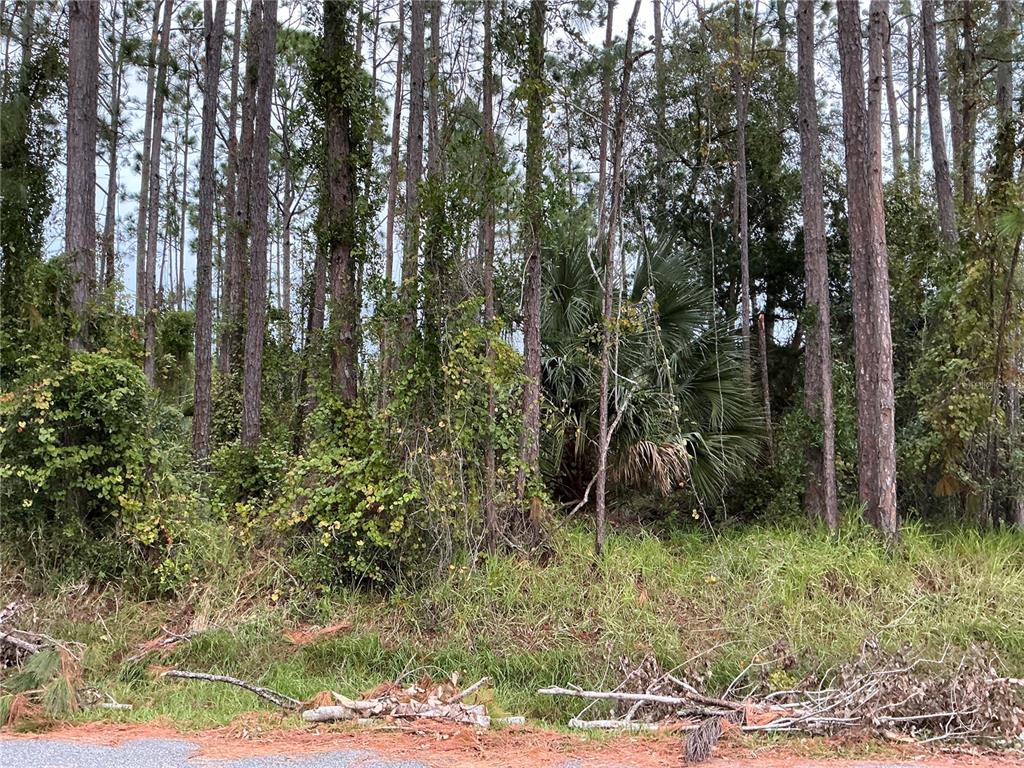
<point x="894" y="115"/>
<point x="606" y="111"/>
<point x="266" y="11"/>
<point x="288" y="202"/>
<point x="969" y="95"/>
<point x="231" y="256"/>
<point x="393" y="169"/>
<point x="940" y="164"/>
<point x="413" y="172"/>
<point x="882" y="506"/>
<point x="739" y="82"/>
<point x="180" y="292"/>
<point x="82" y="120"/>
<point x="153" y="219"/>
<point x="1006" y="139"/>
<point x="110" y="213"/>
<point x="919" y="109"/>
<point x="659" y="88"/>
<point x="954" y="87"/>
<point x="533" y="225"/>
<point x="618" y="142"/>
<point x="213" y="34"/>
<point x="766" y="395"/>
<point x="487" y="229"/>
<point x="243" y="215"/>
<point x="821" y="497"/>
<point x="142" y="277"/>
<point x="339" y="53"/>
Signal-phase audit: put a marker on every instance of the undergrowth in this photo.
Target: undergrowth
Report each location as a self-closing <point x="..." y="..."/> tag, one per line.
<point x="783" y="602"/>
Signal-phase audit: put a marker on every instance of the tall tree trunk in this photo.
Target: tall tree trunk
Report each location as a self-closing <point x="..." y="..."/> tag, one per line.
<point x="80" y="210"/>
<point x="954" y="86"/>
<point x="231" y="256"/>
<point x="213" y="35"/>
<point x="339" y="55"/>
<point x="862" y="139"/>
<point x="179" y="296"/>
<point x="607" y="240"/>
<point x="434" y="277"/>
<point x="821" y="497"/>
<point x="153" y="218"/>
<point x="487" y="231"/>
<point x="606" y="111"/>
<point x="243" y="215"/>
<point x="659" y="90"/>
<point x="969" y="96"/>
<point x="1006" y="138"/>
<point x="287" y="205"/>
<point x="266" y="11"/>
<point x="739" y="205"/>
<point x="940" y="164"/>
<point x="533" y="227"/>
<point x="110" y="213"/>
<point x="393" y="168"/>
<point x="894" y="115"/>
<point x="413" y="172"/>
<point x="142" y="278"/>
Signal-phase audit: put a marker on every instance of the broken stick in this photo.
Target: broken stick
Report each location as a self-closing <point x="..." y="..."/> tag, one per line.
<point x="278" y="699"/>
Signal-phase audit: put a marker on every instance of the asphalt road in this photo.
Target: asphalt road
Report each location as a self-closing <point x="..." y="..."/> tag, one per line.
<point x="164" y="753"/>
<point x="175" y="753"/>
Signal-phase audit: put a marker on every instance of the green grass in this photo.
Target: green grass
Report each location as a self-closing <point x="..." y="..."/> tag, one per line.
<point x="710" y="603"/>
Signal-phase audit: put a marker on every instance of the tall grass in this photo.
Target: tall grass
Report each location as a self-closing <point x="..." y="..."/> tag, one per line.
<point x="789" y="594"/>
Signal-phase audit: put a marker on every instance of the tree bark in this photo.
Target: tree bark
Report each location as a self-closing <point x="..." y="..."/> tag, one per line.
<point x="739" y="205"/>
<point x="266" y="11"/>
<point x="213" y="34"/>
<point x="821" y="497"/>
<point x="110" y="213"/>
<point x="142" y="223"/>
<point x="969" y="95"/>
<point x="232" y="269"/>
<point x="606" y="110"/>
<point x="1006" y="139"/>
<point x="608" y="241"/>
<point x="894" y="115"/>
<point x="339" y="53"/>
<point x="393" y="169"/>
<point x="954" y="87"/>
<point x="413" y="172"/>
<point x="533" y="226"/>
<point x="153" y="218"/>
<point x="487" y="231"/>
<point x="82" y="121"/>
<point x="872" y="340"/>
<point x="940" y="164"/>
<point x="179" y="293"/>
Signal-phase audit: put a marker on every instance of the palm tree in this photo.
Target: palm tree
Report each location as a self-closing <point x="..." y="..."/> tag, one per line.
<point x="682" y="414"/>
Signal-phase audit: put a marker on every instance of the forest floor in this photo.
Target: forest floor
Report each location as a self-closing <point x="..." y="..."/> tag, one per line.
<point x="255" y="741"/>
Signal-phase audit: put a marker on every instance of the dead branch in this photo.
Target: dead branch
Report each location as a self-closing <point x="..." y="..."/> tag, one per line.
<point x="278" y="699"/>
<point x="616" y="725"/>
<point x="17" y="642"/>
<point x="612" y="695"/>
<point x="470" y="690"/>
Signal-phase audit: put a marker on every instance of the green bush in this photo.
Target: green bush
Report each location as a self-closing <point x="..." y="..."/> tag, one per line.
<point x="82" y="473"/>
<point x="347" y="499"/>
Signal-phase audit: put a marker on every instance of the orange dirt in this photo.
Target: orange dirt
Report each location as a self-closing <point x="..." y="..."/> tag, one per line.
<point x="439" y="744"/>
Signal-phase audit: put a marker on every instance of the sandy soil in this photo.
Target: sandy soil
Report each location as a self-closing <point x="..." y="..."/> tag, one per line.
<point x="458" y="747"/>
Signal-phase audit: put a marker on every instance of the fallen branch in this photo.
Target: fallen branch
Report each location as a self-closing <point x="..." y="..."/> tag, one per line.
<point x="278" y="699"/>
<point x="613" y="695"/>
<point x="615" y="725"/>
<point x="470" y="690"/>
<point x="17" y="642"/>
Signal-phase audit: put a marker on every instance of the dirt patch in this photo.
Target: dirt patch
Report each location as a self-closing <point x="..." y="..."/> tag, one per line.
<point x="438" y="744"/>
<point x="306" y="635"/>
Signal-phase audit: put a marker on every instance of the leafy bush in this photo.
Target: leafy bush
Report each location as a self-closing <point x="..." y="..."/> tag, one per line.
<point x="82" y="471"/>
<point x="347" y="499"/>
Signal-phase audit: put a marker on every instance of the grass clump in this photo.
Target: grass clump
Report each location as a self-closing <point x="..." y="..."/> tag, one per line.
<point x="791" y="596"/>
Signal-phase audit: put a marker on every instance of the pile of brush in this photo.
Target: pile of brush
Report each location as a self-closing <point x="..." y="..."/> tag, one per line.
<point x="896" y="696"/>
<point x="424" y="699"/>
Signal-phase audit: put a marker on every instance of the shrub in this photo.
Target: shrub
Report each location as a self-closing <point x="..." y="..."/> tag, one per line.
<point x="82" y="473"/>
<point x="347" y="500"/>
